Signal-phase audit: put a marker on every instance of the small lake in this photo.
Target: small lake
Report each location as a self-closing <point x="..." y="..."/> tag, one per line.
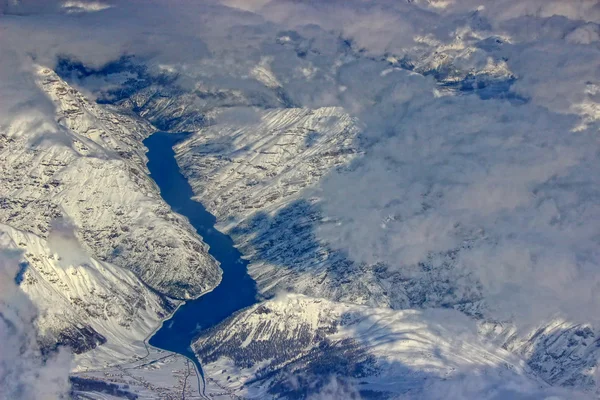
<point x="237" y="289"/>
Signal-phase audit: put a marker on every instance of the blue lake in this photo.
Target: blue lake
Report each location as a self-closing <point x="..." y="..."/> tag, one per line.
<point x="237" y="289"/>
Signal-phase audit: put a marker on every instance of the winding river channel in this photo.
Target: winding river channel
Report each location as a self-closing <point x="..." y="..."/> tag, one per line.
<point x="237" y="289"/>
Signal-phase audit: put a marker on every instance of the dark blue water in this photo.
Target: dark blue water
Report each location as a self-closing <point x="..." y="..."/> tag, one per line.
<point x="237" y="289"/>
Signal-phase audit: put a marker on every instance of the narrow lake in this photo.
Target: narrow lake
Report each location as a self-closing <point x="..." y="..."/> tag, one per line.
<point x="237" y="289"/>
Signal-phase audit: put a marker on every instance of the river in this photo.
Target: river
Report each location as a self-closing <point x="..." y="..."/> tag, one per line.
<point x="237" y="289"/>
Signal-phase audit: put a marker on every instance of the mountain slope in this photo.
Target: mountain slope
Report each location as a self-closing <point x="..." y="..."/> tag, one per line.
<point x="100" y="311"/>
<point x="266" y="157"/>
<point x="259" y="179"/>
<point x="293" y="346"/>
<point x="90" y="169"/>
<point x="253" y="172"/>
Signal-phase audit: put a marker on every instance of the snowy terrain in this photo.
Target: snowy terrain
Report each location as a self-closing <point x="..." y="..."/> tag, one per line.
<point x="245" y="176"/>
<point x="86" y="305"/>
<point x="260" y="162"/>
<point x="252" y="177"/>
<point x="419" y="176"/>
<point x="129" y="223"/>
<point x="294" y="346"/>
<point x="100" y="250"/>
<point x="158" y="375"/>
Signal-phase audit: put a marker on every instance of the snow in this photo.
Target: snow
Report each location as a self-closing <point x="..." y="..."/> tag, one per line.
<point x="158" y="374"/>
<point x="95" y="234"/>
<point x="238" y="167"/>
<point x="110" y="300"/>
<point x="390" y="155"/>
<point x="406" y="354"/>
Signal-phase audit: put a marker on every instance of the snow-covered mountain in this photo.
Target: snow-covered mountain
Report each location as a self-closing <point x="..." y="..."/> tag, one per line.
<point x="259" y="171"/>
<point x="103" y="256"/>
<point x="263" y="158"/>
<point x="100" y="311"/>
<point x="419" y="176"/>
<point x="293" y="346"/>
<point x="560" y="352"/>
<point x="252" y="173"/>
<point x="256" y="178"/>
<point x="127" y="221"/>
